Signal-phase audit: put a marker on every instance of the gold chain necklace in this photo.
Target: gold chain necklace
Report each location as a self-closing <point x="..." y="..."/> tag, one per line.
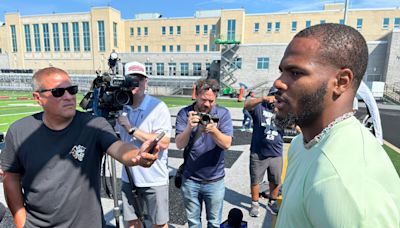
<point x="318" y="137"/>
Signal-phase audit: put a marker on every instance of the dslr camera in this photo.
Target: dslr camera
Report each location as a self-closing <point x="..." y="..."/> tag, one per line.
<point x="206" y="118"/>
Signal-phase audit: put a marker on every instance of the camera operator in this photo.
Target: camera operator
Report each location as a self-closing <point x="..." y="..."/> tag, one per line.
<point x="52" y="159"/>
<point x="141" y="121"/>
<point x="203" y="172"/>
<point x="265" y="151"/>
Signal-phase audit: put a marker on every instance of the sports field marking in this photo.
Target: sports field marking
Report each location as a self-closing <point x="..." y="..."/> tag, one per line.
<point x="17" y="114"/>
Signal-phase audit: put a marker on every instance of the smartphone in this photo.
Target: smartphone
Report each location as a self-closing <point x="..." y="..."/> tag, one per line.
<point x="155" y="141"/>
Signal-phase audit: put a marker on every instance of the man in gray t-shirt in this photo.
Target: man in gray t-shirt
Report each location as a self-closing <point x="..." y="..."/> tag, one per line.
<point x="51" y="160"/>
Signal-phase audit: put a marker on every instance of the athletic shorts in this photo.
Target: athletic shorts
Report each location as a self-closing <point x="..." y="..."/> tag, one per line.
<point x="154" y="201"/>
<point x="259" y="164"/>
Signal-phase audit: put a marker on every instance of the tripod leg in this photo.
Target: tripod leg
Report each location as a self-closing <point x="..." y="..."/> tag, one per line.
<point x="116" y="209"/>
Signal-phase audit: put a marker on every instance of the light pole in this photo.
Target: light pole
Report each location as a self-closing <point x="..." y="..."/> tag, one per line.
<point x="346" y="6"/>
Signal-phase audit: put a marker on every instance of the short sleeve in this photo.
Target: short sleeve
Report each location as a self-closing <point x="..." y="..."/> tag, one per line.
<point x="9" y="157"/>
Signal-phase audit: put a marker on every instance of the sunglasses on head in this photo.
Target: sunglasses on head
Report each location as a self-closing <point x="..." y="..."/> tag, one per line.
<point x="59" y="92"/>
<point x="214" y="88"/>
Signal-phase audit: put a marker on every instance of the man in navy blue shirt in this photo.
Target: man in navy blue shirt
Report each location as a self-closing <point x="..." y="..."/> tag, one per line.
<point x="203" y="173"/>
<point x="266" y="151"/>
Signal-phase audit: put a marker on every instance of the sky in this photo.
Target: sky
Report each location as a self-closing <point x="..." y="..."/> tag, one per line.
<point x="177" y="8"/>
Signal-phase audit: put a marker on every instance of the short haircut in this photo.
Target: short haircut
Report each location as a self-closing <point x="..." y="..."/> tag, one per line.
<point x="341" y="46"/>
<point x="36" y="79"/>
<point x="204" y="84"/>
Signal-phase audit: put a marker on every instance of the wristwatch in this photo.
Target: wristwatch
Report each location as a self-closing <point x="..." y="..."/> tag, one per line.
<point x="132" y="130"/>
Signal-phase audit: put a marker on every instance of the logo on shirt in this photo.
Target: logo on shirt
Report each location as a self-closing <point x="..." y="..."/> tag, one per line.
<point x="78" y="152"/>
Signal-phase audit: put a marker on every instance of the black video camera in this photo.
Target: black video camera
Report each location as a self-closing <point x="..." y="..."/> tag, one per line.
<point x="109" y="93"/>
<point x="206" y="118"/>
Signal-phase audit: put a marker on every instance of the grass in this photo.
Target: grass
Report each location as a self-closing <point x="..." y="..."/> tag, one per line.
<point x="394" y="156"/>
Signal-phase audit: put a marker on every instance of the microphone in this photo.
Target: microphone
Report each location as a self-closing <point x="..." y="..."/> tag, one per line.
<point x="2" y="211"/>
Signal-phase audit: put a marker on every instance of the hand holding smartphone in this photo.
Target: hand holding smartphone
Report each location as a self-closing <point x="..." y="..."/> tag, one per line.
<point x="155" y="141"/>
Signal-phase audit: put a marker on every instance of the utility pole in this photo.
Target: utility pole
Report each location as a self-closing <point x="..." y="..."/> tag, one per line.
<point x="346" y="6"/>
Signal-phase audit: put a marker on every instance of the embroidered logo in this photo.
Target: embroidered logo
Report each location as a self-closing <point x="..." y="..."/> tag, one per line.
<point x="78" y="152"/>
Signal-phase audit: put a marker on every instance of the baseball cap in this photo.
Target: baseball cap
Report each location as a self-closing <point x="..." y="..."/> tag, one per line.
<point x="272" y="91"/>
<point x="135" y="68"/>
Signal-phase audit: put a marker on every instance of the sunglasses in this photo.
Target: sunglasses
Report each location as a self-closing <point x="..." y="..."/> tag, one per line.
<point x="59" y="92"/>
<point x="214" y="88"/>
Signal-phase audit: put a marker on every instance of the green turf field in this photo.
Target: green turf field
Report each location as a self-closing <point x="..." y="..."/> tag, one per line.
<point x="20" y="105"/>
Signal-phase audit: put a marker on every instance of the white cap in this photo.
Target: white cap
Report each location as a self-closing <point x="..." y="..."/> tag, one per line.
<point x="135" y="68"/>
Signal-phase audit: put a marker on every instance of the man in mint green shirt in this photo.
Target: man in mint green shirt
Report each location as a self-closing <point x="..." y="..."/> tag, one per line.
<point x="338" y="174"/>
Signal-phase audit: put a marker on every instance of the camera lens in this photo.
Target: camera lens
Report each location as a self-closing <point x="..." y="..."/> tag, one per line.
<point x="122" y="97"/>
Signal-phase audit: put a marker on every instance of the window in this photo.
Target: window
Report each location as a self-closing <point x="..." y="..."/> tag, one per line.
<point x="146" y="31"/>
<point x="163" y="30"/>
<point x="205" y="48"/>
<point x="171" y="48"/>
<point x="184" y="69"/>
<point x="86" y="36"/>
<point x="75" y="35"/>
<point x="102" y="39"/>
<point x="341" y="21"/>
<point x="171" y="30"/>
<point x="56" y="37"/>
<point x="269" y="27"/>
<point x="178" y="30"/>
<point x="205" y="29"/>
<point x="36" y="36"/>
<point x="164" y="48"/>
<point x="231" y="29"/>
<point x="139" y="49"/>
<point x="197" y="48"/>
<point x="132" y="49"/>
<point x="160" y="68"/>
<point x="322" y="21"/>
<point x="294" y="26"/>
<point x="385" y="24"/>
<point x="146" y="48"/>
<point x="196" y="69"/>
<point x="238" y="63"/>
<point x="132" y="31"/>
<point x="178" y="48"/>
<point x="308" y="24"/>
<point x="277" y="26"/>
<point x="397" y="22"/>
<point x="46" y="37"/>
<point x="65" y="31"/>
<point x="256" y="27"/>
<point x="28" y="44"/>
<point x="213" y="29"/>
<point x="359" y="23"/>
<point x="197" y="29"/>
<point x="14" y="38"/>
<point x="262" y="63"/>
<point x="115" y="34"/>
<point x="213" y="47"/>
<point x="149" y="68"/>
<point x="139" y="31"/>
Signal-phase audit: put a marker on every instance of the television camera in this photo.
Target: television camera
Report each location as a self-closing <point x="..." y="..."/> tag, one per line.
<point x="109" y="92"/>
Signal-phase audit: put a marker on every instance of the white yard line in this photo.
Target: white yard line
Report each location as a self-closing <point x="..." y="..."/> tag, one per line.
<point x="16" y="114"/>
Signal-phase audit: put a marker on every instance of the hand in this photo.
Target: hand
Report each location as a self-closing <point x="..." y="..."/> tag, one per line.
<point x="124" y="121"/>
<point x="269" y="99"/>
<point x="193" y="120"/>
<point x="144" y="158"/>
<point x="211" y="128"/>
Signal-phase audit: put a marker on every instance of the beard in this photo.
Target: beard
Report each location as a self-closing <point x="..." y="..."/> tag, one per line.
<point x="310" y="108"/>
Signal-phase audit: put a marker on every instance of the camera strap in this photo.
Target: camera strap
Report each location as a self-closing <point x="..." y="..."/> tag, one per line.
<point x="189" y="146"/>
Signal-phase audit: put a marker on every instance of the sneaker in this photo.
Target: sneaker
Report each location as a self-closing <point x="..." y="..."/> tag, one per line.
<point x="242" y="129"/>
<point x="272" y="207"/>
<point x="255" y="210"/>
<point x="250" y="130"/>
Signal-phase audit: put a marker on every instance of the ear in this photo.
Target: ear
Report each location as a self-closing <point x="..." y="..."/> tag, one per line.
<point x="344" y="81"/>
<point x="37" y="98"/>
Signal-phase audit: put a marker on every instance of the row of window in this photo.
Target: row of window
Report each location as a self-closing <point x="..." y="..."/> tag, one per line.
<point x="173" y="30"/>
<point x="385" y="24"/>
<point x="172" y="48"/>
<point x="262" y="64"/>
<point x="64" y="37"/>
